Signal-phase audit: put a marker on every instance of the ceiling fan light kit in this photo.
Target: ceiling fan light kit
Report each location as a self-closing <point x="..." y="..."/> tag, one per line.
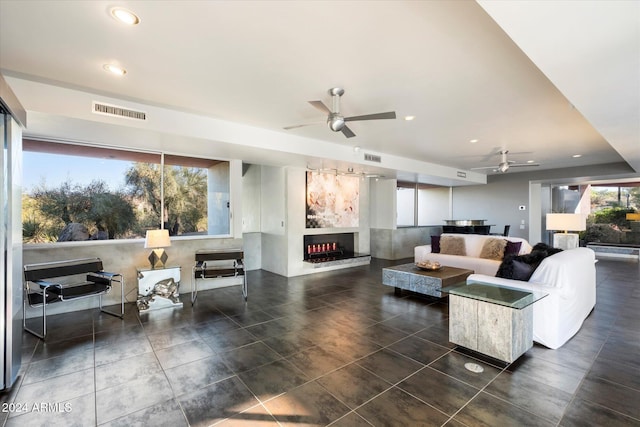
<point x="336" y="121"/>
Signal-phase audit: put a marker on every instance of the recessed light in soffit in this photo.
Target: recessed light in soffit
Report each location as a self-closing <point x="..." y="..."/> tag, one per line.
<point x="125" y="16"/>
<point x="114" y="69"/>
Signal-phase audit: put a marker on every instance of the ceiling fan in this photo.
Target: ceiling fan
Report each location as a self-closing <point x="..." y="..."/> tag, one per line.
<point x="505" y="164"/>
<point x="336" y="121"/>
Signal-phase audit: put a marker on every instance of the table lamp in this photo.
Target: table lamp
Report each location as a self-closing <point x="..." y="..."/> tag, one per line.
<point x="566" y="222"/>
<point x="158" y="240"/>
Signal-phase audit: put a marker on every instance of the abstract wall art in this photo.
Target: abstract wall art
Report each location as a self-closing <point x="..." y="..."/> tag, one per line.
<point x="332" y="200"/>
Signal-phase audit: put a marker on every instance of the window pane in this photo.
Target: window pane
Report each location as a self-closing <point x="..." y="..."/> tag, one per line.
<point x="78" y="192"/>
<point x="405" y="206"/>
<point x="433" y="204"/>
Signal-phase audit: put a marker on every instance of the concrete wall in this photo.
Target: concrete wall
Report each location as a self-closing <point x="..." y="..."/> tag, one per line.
<point x="399" y="243"/>
<point x="123" y="256"/>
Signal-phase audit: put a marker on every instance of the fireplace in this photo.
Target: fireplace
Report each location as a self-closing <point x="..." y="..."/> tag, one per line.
<point x="319" y="248"/>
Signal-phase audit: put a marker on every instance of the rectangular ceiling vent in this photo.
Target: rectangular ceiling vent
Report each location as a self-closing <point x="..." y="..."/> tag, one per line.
<point x="372" y="158"/>
<point x="115" y="111"/>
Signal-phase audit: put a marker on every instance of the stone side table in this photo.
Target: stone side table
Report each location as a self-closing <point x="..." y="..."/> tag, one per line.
<point x="491" y="319"/>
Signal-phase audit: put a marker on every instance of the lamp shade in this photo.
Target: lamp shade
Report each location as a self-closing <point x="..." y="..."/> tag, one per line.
<point x="566" y="222"/>
<point x="157" y="239"/>
<point x="633" y="217"/>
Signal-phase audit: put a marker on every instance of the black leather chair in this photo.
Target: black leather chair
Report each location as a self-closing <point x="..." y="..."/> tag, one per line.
<point x="481" y="229"/>
<point x="505" y="233"/>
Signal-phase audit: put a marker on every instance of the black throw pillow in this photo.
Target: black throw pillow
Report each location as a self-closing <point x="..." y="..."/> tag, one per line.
<point x="521" y="267"/>
<point x="435" y="244"/>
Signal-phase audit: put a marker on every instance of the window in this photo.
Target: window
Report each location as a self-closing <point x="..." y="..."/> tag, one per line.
<point x="614" y="214"/>
<point x="80" y="192"/>
<point x="421" y="204"/>
<point x="406" y="200"/>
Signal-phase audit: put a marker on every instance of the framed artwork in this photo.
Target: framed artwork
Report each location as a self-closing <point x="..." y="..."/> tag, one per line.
<point x="332" y="200"/>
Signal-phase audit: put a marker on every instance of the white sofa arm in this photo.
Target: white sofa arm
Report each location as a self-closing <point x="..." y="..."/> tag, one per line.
<point x="511" y="283"/>
<point x="420" y="253"/>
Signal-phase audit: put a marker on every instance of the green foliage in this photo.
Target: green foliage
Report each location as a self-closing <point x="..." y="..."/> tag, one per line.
<point x="185" y="197"/>
<point x="614" y="215"/>
<point x="94" y="205"/>
<point x="601" y="233"/>
<point x="120" y="214"/>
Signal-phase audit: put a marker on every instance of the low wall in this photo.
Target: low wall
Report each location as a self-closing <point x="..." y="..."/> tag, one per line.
<point x="124" y="256"/>
<point x="399" y="243"/>
<point x="625" y="252"/>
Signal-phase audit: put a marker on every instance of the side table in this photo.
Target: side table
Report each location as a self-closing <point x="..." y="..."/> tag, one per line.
<point x="491" y="319"/>
<point x="158" y="288"/>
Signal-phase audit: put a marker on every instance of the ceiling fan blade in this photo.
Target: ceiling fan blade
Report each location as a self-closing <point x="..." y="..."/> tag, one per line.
<point x="519" y="165"/>
<point x="306" y="124"/>
<point x="320" y="106"/>
<point x="485" y="167"/>
<point x="377" y="116"/>
<point x="347" y="132"/>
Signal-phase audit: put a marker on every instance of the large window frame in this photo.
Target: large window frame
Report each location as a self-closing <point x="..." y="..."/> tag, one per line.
<point x="207" y="180"/>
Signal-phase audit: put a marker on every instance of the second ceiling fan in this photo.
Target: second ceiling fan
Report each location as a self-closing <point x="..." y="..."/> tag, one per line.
<point x="336" y="121"/>
<point x="505" y="164"/>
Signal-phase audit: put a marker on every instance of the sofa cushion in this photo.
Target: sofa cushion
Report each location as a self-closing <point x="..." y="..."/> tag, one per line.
<point x="452" y="245"/>
<point x="493" y="249"/>
<point x="512" y="248"/>
<point x="435" y="244"/>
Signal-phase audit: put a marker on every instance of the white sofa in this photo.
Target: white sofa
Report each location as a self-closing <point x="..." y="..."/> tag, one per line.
<point x="569" y="277"/>
<point x="472" y="260"/>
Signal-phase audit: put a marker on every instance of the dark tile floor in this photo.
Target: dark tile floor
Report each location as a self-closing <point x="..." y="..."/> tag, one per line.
<point x="332" y="348"/>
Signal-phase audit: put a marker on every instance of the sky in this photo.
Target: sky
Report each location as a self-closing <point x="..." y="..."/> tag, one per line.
<point x="55" y="169"/>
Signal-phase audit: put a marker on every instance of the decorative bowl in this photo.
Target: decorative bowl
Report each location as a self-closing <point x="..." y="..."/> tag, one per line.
<point x="429" y="265"/>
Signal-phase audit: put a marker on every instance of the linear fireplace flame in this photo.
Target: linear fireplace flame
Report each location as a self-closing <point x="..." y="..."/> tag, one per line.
<point x="324" y="247"/>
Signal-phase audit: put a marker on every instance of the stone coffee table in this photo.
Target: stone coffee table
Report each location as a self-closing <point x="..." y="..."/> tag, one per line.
<point x="428" y="282"/>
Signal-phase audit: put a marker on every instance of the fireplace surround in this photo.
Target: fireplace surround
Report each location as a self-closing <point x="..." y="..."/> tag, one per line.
<point x="318" y="248"/>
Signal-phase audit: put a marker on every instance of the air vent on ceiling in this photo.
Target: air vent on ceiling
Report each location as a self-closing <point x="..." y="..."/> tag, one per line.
<point x="116" y="111"/>
<point x="372" y="158"/>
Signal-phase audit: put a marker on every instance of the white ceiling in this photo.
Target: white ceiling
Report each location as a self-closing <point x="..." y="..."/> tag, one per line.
<point x="564" y="81"/>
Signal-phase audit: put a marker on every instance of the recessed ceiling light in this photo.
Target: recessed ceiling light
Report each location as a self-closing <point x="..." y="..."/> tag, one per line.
<point x="409" y="118"/>
<point x="575" y="156"/>
<point x="531" y="161"/>
<point x="473" y="141"/>
<point x="125" y="16"/>
<point x="114" y="69"/>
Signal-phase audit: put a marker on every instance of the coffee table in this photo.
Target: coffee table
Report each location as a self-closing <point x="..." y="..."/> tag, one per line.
<point x="491" y="319"/>
<point x="428" y="282"/>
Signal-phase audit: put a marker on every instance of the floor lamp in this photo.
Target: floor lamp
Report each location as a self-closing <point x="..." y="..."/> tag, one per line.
<point x="566" y="222"/>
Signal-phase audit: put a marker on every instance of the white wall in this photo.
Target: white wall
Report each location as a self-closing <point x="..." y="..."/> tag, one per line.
<point x="434" y="205"/>
<point x="218" y="217"/>
<point x="498" y="203"/>
<point x="251" y="199"/>
<point x="383" y="203"/>
<point x="273" y="220"/>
